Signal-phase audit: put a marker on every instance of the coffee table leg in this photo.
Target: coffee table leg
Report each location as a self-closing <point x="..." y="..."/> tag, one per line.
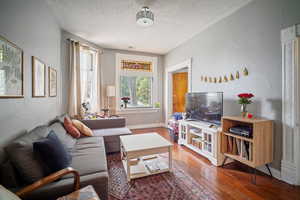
<point x="128" y="170"/>
<point x="170" y="158"/>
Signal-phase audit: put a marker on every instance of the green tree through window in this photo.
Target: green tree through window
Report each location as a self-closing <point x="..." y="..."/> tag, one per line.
<point x="138" y="88"/>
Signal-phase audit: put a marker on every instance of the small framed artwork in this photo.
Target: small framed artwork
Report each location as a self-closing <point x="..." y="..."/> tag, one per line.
<point x="11" y="70"/>
<point x="52" y="73"/>
<point x="38" y="78"/>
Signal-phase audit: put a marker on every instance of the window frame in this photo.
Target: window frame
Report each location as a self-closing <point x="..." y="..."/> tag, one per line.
<point x="153" y="74"/>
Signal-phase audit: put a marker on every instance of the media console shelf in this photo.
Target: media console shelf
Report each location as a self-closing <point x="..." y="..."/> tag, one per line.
<point x="201" y="138"/>
<point x="255" y="151"/>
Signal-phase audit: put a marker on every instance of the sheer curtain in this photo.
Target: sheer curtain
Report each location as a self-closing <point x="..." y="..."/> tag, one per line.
<point x="85" y="73"/>
<point x="96" y="86"/>
<point x="74" y="107"/>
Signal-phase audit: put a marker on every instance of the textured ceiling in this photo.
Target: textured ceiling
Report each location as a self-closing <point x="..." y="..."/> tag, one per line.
<point x="111" y="23"/>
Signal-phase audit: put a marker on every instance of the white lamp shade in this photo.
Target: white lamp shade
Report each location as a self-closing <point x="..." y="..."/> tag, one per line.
<point x="110" y="91"/>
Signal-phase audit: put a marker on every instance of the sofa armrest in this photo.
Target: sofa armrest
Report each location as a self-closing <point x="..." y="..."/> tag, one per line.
<point x="49" y="179"/>
<point x="105" y="123"/>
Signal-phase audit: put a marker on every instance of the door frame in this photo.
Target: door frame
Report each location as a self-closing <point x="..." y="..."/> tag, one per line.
<point x="168" y="84"/>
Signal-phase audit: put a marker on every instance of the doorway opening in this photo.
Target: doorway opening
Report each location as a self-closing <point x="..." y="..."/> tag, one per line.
<point x="178" y="83"/>
<point x="180" y="88"/>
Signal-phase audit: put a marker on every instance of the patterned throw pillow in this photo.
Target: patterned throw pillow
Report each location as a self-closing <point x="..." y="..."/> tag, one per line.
<point x="71" y="129"/>
<point x="84" y="130"/>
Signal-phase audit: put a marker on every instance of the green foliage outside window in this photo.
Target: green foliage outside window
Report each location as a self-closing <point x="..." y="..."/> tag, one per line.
<point x="138" y="88"/>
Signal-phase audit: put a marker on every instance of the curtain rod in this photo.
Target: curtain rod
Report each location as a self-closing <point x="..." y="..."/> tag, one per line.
<point x="86" y="45"/>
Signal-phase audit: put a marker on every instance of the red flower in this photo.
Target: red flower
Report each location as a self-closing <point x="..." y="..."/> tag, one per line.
<point x="125" y="98"/>
<point x="246" y="95"/>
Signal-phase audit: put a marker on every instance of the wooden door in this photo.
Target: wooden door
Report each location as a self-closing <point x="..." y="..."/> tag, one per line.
<point x="180" y="88"/>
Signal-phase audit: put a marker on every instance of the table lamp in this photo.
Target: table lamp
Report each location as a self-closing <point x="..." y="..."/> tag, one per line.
<point x="110" y="92"/>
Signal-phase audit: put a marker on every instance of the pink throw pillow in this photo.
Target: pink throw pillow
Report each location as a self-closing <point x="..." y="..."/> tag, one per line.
<point x="71" y="129"/>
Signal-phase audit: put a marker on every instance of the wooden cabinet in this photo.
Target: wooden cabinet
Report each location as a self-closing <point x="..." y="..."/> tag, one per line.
<point x="254" y="151"/>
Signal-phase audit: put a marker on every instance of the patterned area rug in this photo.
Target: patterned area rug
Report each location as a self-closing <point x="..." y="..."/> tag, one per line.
<point x="177" y="185"/>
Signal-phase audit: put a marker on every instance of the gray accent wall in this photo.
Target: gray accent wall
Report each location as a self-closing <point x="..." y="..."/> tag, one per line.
<point x="248" y="38"/>
<point x="30" y="25"/>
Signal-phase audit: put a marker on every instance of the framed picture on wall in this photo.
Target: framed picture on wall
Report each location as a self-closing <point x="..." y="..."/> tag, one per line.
<point x="38" y="78"/>
<point x="11" y="70"/>
<point x="52" y="73"/>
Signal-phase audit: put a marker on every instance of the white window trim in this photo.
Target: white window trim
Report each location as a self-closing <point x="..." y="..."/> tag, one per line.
<point x="154" y="60"/>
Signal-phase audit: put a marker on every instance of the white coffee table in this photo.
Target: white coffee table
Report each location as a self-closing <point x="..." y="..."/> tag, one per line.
<point x="141" y="151"/>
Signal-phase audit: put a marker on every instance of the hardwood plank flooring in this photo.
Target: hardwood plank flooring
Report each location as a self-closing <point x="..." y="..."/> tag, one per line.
<point x="233" y="182"/>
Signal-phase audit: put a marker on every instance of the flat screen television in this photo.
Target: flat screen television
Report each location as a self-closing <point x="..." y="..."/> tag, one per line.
<point x="205" y="106"/>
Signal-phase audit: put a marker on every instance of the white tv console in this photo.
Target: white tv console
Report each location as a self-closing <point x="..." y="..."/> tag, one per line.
<point x="203" y="138"/>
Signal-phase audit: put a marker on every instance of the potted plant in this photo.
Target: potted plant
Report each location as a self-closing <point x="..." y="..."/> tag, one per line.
<point x="244" y="100"/>
<point x="125" y="101"/>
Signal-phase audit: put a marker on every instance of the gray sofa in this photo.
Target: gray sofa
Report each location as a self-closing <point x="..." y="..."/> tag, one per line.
<point x="88" y="157"/>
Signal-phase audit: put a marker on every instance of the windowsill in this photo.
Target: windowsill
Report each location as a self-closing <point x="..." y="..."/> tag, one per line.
<point x="137" y="110"/>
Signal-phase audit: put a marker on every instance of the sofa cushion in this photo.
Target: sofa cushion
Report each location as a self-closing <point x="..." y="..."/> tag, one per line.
<point x="89" y="142"/>
<point x="61" y="133"/>
<point x="20" y="153"/>
<point x="70" y="128"/>
<point x="111" y="132"/>
<point x="52" y="153"/>
<point x="89" y="156"/>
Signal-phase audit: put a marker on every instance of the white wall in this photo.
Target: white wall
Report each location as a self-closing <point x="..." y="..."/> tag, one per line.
<point x="29" y="25"/>
<point x="250" y="37"/>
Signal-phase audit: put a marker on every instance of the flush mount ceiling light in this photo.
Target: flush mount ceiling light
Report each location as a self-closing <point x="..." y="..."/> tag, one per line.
<point x="145" y="17"/>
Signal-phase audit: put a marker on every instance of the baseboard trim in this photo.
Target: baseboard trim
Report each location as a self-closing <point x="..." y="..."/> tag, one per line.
<point x="140" y="126"/>
<point x="275" y="172"/>
<point x="288" y="172"/>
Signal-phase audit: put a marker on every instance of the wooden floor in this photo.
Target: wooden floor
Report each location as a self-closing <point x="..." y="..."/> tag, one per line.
<point x="231" y="182"/>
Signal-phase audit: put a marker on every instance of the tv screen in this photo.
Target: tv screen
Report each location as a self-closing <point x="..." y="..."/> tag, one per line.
<point x="205" y="106"/>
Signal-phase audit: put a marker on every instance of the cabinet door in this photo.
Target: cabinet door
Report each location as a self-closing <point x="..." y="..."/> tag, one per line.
<point x="182" y="133"/>
<point x="208" y="142"/>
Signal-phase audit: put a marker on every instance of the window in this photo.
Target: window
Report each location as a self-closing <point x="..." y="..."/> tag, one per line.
<point x="88" y="77"/>
<point x="138" y="89"/>
<point x="137" y="80"/>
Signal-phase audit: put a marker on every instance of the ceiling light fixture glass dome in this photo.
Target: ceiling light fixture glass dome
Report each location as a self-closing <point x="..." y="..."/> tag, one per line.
<point x="145" y="17"/>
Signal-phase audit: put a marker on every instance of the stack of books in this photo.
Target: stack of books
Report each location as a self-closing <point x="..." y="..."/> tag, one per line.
<point x="239" y="147"/>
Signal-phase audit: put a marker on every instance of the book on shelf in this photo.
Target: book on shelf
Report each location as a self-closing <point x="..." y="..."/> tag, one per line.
<point x="239" y="147"/>
<point x="150" y="157"/>
<point x="137" y="169"/>
<point x="229" y="144"/>
<point x="155" y="165"/>
<point x="234" y="147"/>
<point x="134" y="161"/>
<point x="195" y="130"/>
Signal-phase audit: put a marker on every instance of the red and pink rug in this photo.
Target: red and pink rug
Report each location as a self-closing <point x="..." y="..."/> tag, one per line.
<point x="177" y="185"/>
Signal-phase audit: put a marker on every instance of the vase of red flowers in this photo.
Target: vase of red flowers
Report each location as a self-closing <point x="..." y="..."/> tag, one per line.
<point x="125" y="101"/>
<point x="244" y="100"/>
